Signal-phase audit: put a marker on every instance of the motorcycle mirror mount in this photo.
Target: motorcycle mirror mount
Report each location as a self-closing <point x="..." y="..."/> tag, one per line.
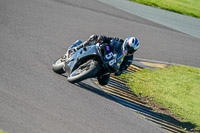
<point x="98" y="44"/>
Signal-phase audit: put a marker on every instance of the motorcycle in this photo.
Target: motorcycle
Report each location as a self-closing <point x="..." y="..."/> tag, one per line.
<point x="89" y="62"/>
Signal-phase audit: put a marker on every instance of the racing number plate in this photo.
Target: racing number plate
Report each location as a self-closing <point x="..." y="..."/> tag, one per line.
<point x="109" y="56"/>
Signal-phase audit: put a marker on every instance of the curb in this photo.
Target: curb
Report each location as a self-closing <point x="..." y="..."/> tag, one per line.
<point x="121" y="94"/>
<point x="154" y="61"/>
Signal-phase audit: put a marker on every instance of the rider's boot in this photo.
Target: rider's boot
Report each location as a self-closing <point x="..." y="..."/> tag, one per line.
<point x="104" y="79"/>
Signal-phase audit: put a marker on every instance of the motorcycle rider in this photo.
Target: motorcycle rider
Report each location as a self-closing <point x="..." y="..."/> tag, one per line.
<point x="129" y="45"/>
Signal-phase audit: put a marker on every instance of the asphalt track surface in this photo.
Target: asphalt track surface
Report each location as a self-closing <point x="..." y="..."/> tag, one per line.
<point x="183" y="23"/>
<point x="33" y="33"/>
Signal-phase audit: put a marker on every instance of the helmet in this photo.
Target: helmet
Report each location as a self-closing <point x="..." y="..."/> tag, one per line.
<point x="131" y="44"/>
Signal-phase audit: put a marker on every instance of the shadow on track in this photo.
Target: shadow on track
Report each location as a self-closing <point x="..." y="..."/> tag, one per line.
<point x="142" y="110"/>
<point x="165" y="121"/>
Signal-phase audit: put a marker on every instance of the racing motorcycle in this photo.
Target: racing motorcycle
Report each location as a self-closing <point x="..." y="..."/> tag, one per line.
<point x="89" y="61"/>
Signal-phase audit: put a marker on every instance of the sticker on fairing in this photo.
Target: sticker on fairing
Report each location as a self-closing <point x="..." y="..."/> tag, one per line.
<point x="112" y="62"/>
<point x="109" y="56"/>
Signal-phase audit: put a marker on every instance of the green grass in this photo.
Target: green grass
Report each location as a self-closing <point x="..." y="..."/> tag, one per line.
<point x="186" y="7"/>
<point x="1" y="131"/>
<point x="176" y="88"/>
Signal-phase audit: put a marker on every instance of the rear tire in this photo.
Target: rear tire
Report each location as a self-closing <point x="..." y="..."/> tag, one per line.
<point x="59" y="66"/>
<point x="91" y="67"/>
<point x="103" y="80"/>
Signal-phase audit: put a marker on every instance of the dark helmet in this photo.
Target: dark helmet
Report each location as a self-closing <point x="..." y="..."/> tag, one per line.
<point x="131" y="44"/>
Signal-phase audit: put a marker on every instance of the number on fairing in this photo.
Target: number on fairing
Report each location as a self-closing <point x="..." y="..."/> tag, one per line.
<point x="109" y="56"/>
<point x="112" y="62"/>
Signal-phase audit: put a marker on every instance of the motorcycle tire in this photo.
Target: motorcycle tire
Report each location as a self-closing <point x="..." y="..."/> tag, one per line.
<point x="90" y="72"/>
<point x="103" y="80"/>
<point x="59" y="66"/>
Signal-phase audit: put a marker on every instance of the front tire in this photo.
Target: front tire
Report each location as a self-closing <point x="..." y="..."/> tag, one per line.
<point x="84" y="71"/>
<point x="59" y="66"/>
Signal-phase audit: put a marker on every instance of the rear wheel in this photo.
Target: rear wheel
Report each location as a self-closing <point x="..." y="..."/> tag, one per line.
<point x="84" y="71"/>
<point x="103" y="80"/>
<point x="59" y="66"/>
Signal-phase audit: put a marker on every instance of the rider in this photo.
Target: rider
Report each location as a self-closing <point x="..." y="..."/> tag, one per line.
<point x="129" y="45"/>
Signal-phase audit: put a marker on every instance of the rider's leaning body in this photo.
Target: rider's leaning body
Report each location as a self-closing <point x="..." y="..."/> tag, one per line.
<point x="129" y="46"/>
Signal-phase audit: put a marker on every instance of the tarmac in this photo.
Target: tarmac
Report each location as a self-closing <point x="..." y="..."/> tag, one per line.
<point x="186" y="24"/>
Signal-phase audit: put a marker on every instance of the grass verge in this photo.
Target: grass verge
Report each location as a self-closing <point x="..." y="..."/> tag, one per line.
<point x="1" y="131"/>
<point x="175" y="87"/>
<point x="186" y="7"/>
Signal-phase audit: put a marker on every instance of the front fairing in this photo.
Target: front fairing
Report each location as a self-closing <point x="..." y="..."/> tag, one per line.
<point x="81" y="56"/>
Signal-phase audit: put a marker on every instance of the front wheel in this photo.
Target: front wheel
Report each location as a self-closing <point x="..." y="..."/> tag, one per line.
<point x="84" y="71"/>
<point x="59" y="66"/>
